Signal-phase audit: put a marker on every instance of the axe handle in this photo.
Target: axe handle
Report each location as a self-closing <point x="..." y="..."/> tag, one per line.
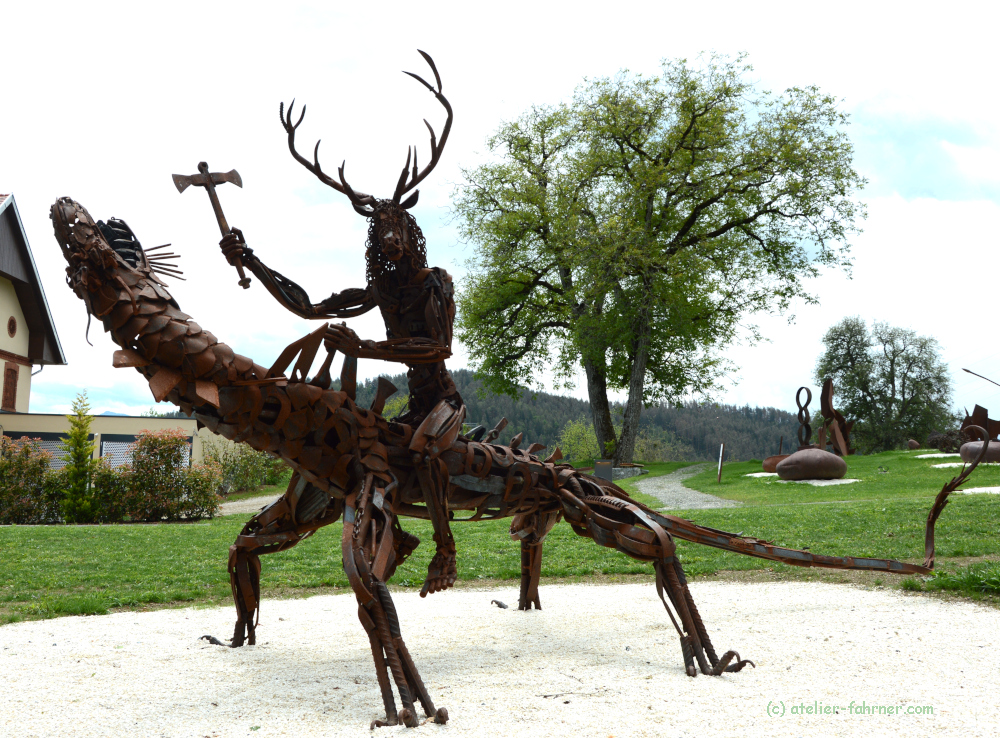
<point x="226" y="230"/>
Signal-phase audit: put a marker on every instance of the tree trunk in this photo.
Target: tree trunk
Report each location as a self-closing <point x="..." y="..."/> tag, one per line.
<point x="597" y="389"/>
<point x="633" y="407"/>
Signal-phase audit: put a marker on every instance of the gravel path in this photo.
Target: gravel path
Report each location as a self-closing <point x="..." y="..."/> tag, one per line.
<point x="670" y="490"/>
<point x="597" y="661"/>
<point x="246" y="507"/>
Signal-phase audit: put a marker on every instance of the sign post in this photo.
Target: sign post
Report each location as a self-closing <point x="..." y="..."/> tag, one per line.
<point x="722" y="452"/>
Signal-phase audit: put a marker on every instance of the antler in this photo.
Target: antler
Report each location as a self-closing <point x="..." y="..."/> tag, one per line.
<point x="362" y="203"/>
<point x="408" y="181"/>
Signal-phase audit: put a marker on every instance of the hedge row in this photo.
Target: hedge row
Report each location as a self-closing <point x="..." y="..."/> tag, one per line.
<point x="157" y="486"/>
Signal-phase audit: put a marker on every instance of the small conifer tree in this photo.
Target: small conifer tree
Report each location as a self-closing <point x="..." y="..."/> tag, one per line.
<point x="78" y="503"/>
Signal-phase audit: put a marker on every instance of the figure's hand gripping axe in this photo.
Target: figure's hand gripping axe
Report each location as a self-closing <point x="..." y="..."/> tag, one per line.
<point x="208" y="180"/>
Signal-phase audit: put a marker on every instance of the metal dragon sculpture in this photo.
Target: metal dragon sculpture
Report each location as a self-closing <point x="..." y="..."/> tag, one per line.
<point x="352" y="464"/>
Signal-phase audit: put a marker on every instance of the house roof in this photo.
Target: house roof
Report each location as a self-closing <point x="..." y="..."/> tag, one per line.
<point x="18" y="265"/>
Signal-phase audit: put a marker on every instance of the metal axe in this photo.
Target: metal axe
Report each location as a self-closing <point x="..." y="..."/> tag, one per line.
<point x="208" y="180"/>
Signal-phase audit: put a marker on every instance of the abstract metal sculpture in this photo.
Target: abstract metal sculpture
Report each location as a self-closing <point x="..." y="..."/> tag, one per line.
<point x="834" y="424"/>
<point x="350" y="463"/>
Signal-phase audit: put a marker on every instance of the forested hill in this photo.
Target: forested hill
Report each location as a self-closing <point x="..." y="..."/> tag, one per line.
<point x="691" y="433"/>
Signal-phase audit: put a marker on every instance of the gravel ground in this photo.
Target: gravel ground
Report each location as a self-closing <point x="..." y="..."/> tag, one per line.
<point x="245" y="507"/>
<point x="980" y="491"/>
<point x="819" y="482"/>
<point x="597" y="661"/>
<point x="959" y="464"/>
<point x="670" y="490"/>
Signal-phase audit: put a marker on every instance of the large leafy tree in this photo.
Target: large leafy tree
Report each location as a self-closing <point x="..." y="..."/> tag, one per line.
<point x="890" y="380"/>
<point x="633" y="230"/>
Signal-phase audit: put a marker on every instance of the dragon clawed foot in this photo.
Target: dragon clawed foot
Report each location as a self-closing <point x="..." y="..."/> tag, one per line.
<point x="724" y="664"/>
<point x="408" y="718"/>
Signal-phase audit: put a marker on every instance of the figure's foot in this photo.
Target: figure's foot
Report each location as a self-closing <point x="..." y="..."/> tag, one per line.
<point x="724" y="663"/>
<point x="441" y="573"/>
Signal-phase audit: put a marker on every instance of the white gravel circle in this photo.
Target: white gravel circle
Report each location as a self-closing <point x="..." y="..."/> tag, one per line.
<point x="597" y="661"/>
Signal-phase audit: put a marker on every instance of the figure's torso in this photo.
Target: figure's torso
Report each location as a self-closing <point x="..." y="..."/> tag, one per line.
<point x="420" y="305"/>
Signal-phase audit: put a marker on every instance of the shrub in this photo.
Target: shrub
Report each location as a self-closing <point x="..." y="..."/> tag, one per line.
<point x="29" y="492"/>
<point x="158" y="485"/>
<point x="78" y="504"/>
<point x="243" y="468"/>
<point x="578" y="441"/>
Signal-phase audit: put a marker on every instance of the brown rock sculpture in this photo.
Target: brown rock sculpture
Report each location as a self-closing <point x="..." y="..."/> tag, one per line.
<point x="970" y="452"/>
<point x="812" y="463"/>
<point x="913" y="445"/>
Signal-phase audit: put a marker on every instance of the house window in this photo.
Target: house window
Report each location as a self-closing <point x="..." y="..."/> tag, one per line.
<point x="9" y="387"/>
<point x="12" y="326"/>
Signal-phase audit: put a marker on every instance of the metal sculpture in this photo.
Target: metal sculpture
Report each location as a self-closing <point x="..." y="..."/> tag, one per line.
<point x="353" y="464"/>
<point x="834" y="424"/>
<point x="805" y="430"/>
<point x="980" y="417"/>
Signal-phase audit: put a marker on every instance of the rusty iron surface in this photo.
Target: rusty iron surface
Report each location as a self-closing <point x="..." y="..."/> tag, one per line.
<point x="980" y="417"/>
<point x="835" y="426"/>
<point x="805" y="430"/>
<point x="350" y="463"/>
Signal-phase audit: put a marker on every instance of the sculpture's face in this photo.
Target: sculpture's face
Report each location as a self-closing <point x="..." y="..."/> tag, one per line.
<point x="393" y="235"/>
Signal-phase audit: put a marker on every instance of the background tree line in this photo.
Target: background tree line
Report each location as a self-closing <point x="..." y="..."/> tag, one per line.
<point x="691" y="432"/>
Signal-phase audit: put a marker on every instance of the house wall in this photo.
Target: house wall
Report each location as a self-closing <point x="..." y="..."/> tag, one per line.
<point x="14" y="349"/>
<point x="10" y="307"/>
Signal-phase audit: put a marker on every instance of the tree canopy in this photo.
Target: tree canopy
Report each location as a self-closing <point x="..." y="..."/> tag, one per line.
<point x="633" y="230"/>
<point x="890" y="380"/>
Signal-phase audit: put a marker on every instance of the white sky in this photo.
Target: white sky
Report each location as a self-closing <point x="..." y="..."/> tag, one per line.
<point x="104" y="101"/>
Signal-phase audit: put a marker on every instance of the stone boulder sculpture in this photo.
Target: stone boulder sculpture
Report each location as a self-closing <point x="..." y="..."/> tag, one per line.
<point x="970" y="452"/>
<point x="812" y="463"/>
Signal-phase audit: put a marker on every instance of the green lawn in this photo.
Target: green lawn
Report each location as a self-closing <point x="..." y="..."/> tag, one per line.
<point x="883" y="515"/>
<point x="48" y="571"/>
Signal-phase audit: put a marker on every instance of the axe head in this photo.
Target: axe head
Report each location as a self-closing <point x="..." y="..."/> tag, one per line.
<point x="203" y="179"/>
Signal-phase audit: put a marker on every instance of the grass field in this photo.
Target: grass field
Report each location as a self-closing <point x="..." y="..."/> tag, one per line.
<point x="48" y="571"/>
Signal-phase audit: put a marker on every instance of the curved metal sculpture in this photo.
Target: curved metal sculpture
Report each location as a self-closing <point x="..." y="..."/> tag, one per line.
<point x="353" y="464"/>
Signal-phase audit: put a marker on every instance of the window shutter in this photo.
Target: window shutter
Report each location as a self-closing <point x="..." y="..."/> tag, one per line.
<point x="9" y="387"/>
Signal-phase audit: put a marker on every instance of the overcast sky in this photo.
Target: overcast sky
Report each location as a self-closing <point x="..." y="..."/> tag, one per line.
<point x="103" y="102"/>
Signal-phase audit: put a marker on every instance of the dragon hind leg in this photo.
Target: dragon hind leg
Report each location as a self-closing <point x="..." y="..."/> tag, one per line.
<point x="531" y="530"/>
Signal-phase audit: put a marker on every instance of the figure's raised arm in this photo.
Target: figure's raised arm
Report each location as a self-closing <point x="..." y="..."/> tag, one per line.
<point x="346" y="304"/>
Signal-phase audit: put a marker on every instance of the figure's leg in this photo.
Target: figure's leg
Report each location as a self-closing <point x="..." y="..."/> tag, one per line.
<point x="623" y="525"/>
<point x="443" y="569"/>
<point x="435" y="434"/>
<point x="373" y="545"/>
<point x="531" y="531"/>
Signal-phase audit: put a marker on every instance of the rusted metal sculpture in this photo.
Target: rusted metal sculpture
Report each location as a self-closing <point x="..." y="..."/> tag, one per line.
<point x="353" y="464"/>
<point x="980" y="417"/>
<point x="805" y="430"/>
<point x="834" y="424"/>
